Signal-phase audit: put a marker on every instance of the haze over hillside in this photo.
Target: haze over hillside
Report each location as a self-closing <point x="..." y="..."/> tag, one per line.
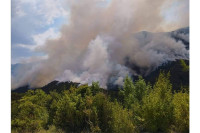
<point x="100" y="40"/>
<point x="108" y="61"/>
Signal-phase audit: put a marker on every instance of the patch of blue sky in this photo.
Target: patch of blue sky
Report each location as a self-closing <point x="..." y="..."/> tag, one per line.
<point x="18" y="53"/>
<point x="24" y="27"/>
<point x="32" y="23"/>
<point x="56" y="25"/>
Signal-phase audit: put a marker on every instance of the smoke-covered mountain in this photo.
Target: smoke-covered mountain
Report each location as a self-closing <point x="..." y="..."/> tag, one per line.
<point x="181" y="35"/>
<point x="52" y="86"/>
<point x="107" y="59"/>
<point x="178" y="77"/>
<point x="145" y="38"/>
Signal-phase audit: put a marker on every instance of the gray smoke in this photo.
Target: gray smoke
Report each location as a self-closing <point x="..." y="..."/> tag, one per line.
<point x="103" y="43"/>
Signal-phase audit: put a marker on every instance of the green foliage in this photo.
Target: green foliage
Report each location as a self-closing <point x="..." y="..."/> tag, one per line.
<point x="157" y="106"/>
<point x="181" y="112"/>
<point x="14" y="109"/>
<point x="141" y="89"/>
<point x="134" y="92"/>
<point x="112" y="117"/>
<point x="52" y="105"/>
<point x="67" y="116"/>
<point x="52" y="129"/>
<point x="136" y="108"/>
<point x="120" y="119"/>
<point x="32" y="113"/>
<point x="185" y="67"/>
<point x="95" y="88"/>
<point x="75" y="111"/>
<point x="128" y="92"/>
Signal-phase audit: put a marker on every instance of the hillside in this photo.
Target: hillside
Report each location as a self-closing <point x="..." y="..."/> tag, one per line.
<point x="179" y="78"/>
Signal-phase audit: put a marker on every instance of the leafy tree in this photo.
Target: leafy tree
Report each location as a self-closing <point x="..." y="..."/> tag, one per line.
<point x="157" y="108"/>
<point x="134" y="92"/>
<point x="95" y="88"/>
<point x="185" y="67"/>
<point x="83" y="90"/>
<point x="120" y="119"/>
<point x="75" y="111"/>
<point x="181" y="112"/>
<point x="112" y="117"/>
<point x="141" y="89"/>
<point x="128" y="92"/>
<point x="91" y="115"/>
<point x="68" y="117"/>
<point x="32" y="115"/>
<point x="14" y="109"/>
<point x="52" y="105"/>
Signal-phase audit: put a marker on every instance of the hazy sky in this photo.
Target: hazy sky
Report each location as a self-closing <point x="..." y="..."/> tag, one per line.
<point x="35" y="21"/>
<point x="92" y="40"/>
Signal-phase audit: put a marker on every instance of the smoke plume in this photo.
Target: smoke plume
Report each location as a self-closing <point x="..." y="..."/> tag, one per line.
<point x="106" y="43"/>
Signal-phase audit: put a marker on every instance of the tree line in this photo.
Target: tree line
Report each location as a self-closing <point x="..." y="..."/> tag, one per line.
<point x="137" y="107"/>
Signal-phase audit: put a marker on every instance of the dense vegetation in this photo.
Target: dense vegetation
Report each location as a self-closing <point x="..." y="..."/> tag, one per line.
<point x="179" y="73"/>
<point x="137" y="107"/>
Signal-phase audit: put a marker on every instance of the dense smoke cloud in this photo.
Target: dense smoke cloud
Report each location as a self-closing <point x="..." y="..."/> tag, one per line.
<point x="104" y="43"/>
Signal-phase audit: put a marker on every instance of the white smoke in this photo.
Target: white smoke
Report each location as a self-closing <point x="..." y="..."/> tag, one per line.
<point x="103" y="44"/>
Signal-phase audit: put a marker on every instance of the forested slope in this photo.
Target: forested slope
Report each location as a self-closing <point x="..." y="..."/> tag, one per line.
<point x="138" y="107"/>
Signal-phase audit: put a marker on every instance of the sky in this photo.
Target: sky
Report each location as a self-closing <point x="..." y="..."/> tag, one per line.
<point x="35" y="21"/>
<point x="32" y="23"/>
